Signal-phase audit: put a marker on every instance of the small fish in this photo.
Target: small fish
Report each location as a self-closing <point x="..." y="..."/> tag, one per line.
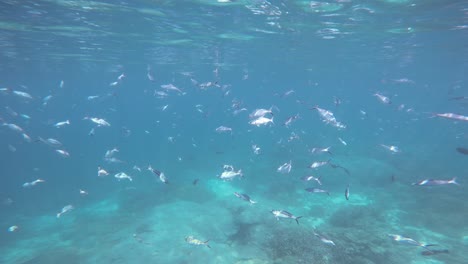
<point x="13" y="228"/>
<point x="171" y="87"/>
<point x="244" y="197"/>
<point x="222" y="129"/>
<point x="193" y="241"/>
<point x="342" y="141"/>
<point x="290" y="119"/>
<point x="257" y="113"/>
<point x="23" y="95"/>
<point x="62" y="124"/>
<point x="65" y="209"/>
<point x="453" y="116"/>
<point x="229" y="175"/>
<point x="102" y="172"/>
<point x="383" y="99"/>
<point x="33" y="183"/>
<point x="160" y="174"/>
<point x="316" y="190"/>
<point x="51" y="142"/>
<point x="256" y="149"/>
<point x="98" y="121"/>
<point x="393" y="149"/>
<point x="285" y="168"/>
<point x="318" y="164"/>
<point x="312" y="178"/>
<point x="463" y="151"/>
<point x="285" y="214"/>
<point x="434" y="252"/>
<point x="320" y="150"/>
<point x="122" y="175"/>
<point x="346" y="194"/>
<point x="63" y="153"/>
<point x="83" y="192"/>
<point x="409" y="241"/>
<point x="14" y="127"/>
<point x="195" y="181"/>
<point x="261" y="121"/>
<point x="432" y="182"/>
<point x="324" y="239"/>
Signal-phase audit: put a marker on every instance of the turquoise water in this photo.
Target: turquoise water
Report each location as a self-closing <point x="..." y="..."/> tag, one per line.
<point x="224" y="57"/>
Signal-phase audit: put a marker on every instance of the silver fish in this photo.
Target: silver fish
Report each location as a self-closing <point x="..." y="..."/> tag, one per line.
<point x="285" y="214"/>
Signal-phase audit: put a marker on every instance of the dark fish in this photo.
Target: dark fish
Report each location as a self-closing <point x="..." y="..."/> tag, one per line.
<point x="434" y="252"/>
<point x="195" y="182"/>
<point x="463" y="151"/>
<point x="346" y="194"/>
<point x="335" y="166"/>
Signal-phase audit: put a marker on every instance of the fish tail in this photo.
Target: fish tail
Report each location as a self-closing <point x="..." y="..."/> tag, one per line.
<point x="206" y="243"/>
<point x="454" y="181"/>
<point x="297" y="219"/>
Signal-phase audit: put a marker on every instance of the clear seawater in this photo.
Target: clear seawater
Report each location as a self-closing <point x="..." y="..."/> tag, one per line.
<point x="253" y="52"/>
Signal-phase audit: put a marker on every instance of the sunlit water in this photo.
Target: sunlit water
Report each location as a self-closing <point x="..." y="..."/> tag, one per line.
<point x="112" y="60"/>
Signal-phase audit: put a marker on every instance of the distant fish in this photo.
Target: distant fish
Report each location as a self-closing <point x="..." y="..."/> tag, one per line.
<point x="462" y="150"/>
<point x="316" y="190"/>
<point x="432" y="182"/>
<point x="195" y="181"/>
<point x="193" y="241"/>
<point x="434" y="252"/>
<point x="285" y="214"/>
<point x="347" y="193"/>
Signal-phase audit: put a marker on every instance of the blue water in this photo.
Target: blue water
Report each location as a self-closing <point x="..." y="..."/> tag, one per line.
<point x="253" y="52"/>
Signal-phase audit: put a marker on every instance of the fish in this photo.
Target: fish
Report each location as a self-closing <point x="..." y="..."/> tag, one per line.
<point x="229" y="175"/>
<point x="257" y="113"/>
<point x="409" y="241"/>
<point x="321" y="150"/>
<point x="51" y="142"/>
<point x="13" y="228"/>
<point x="63" y="153"/>
<point x="122" y="175"/>
<point x="33" y="183"/>
<point x="65" y="209"/>
<point x="195" y="181"/>
<point x="61" y="124"/>
<point x="383" y="99"/>
<point x="222" y="129"/>
<point x="462" y="150"/>
<point x="285" y="214"/>
<point x="23" y="95"/>
<point x="336" y="166"/>
<point x="432" y="182"/>
<point x="324" y="239"/>
<point x="290" y="120"/>
<point x="347" y="193"/>
<point x="312" y="178"/>
<point x="193" y="241"/>
<point x="316" y="190"/>
<point x="98" y="121"/>
<point x="285" y="168"/>
<point x="171" y="87"/>
<point x="102" y="172"/>
<point x="318" y="164"/>
<point x="160" y="174"/>
<point x="261" y="121"/>
<point x="434" y="252"/>
<point x="393" y="149"/>
<point x="453" y="116"/>
<point x="244" y="197"/>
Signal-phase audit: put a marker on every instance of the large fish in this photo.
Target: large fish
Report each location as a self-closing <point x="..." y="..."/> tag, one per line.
<point x="462" y="150"/>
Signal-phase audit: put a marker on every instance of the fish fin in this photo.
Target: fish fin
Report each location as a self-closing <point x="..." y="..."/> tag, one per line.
<point x="454" y="181"/>
<point x="297" y="219"/>
<point x="206" y="243"/>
